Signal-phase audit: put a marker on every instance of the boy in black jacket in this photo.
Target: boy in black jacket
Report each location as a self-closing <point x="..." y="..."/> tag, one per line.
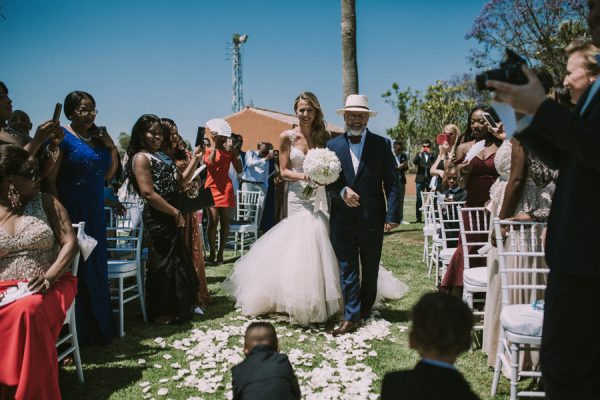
<point x="265" y="374"/>
<point x="441" y="330"/>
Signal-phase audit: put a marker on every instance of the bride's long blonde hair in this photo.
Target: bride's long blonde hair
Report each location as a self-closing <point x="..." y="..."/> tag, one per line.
<point x="320" y="133"/>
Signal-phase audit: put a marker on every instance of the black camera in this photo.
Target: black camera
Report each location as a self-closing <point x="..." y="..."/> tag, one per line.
<point x="510" y="72"/>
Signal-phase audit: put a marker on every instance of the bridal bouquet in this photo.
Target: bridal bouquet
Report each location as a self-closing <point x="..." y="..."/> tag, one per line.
<point x="322" y="168"/>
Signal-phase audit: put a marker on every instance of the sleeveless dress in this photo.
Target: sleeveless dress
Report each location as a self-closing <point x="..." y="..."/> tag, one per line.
<point x="534" y="200"/>
<point x="292" y="268"/>
<point x="171" y="280"/>
<point x="482" y="177"/>
<point x="80" y="185"/>
<point x="30" y="325"/>
<point x="217" y="178"/>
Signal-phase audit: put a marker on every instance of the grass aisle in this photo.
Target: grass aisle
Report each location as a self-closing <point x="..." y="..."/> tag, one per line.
<point x="146" y="360"/>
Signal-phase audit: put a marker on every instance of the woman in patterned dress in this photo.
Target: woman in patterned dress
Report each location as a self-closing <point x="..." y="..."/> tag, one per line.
<point x="171" y="281"/>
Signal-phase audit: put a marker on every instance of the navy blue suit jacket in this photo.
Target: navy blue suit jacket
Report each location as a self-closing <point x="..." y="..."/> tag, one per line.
<point x="375" y="173"/>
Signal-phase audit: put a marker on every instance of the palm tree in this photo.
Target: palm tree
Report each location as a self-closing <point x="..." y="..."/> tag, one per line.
<point x="349" y="65"/>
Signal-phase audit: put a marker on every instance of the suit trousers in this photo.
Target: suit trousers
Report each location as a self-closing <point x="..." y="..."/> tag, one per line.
<point x="421" y="187"/>
<point x="358" y="253"/>
<point x="570" y="354"/>
<point x="401" y="194"/>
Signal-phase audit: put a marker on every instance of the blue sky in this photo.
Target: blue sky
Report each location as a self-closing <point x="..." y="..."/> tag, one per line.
<point x="170" y="57"/>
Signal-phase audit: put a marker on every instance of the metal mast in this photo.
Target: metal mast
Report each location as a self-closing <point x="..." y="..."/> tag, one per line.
<point x="238" y="95"/>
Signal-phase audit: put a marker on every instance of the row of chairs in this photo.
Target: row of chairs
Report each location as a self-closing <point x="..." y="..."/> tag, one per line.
<point x="126" y="262"/>
<point x="521" y="325"/>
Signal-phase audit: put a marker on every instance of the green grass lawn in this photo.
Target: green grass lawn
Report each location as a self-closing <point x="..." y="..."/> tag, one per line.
<point x="114" y="371"/>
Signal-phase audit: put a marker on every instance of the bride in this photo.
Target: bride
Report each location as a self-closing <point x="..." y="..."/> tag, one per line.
<point x="292" y="268"/>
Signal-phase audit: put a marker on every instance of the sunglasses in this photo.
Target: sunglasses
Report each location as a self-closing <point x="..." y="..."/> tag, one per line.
<point x="85" y="113"/>
<point x="426" y="145"/>
<point x="31" y="175"/>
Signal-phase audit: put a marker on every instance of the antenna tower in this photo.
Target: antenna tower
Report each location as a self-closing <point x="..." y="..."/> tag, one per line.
<point x="238" y="95"/>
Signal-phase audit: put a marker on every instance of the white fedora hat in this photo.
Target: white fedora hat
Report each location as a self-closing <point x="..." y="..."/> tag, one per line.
<point x="219" y="127"/>
<point x="357" y="103"/>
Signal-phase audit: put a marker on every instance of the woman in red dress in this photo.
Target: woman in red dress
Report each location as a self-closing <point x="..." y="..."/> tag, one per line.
<point x="37" y="245"/>
<point x="217" y="162"/>
<point x="480" y="174"/>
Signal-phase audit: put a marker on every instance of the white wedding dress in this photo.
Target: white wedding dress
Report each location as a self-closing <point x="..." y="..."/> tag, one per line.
<point x="292" y="268"/>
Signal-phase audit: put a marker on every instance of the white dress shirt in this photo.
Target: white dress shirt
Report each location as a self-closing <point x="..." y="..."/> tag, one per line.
<point x="355" y="154"/>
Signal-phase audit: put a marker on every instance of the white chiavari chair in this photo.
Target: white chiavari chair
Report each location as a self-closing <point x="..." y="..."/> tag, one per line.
<point x="523" y="270"/>
<point x="70" y="337"/>
<point x="450" y="228"/>
<point x="474" y="225"/>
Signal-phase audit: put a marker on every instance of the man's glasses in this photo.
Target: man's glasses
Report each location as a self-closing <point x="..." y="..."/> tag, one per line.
<point x="85" y="113"/>
<point x="426" y="145"/>
<point x="356" y="116"/>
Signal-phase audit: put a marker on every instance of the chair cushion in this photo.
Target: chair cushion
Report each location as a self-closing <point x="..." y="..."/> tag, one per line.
<point x="447" y="254"/>
<point x="522" y="319"/>
<point x="475" y="276"/>
<point x="429" y="230"/>
<point x="121" y="266"/>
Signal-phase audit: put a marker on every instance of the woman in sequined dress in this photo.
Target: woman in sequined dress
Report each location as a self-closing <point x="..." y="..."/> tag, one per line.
<point x="37" y="244"/>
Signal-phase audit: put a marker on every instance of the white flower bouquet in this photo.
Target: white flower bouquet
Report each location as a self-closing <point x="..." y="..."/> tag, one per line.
<point x="322" y="167"/>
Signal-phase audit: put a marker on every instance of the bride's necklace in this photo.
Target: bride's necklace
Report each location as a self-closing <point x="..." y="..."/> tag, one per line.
<point x="87" y="140"/>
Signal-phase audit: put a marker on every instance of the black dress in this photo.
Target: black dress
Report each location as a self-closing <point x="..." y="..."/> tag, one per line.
<point x="171" y="281"/>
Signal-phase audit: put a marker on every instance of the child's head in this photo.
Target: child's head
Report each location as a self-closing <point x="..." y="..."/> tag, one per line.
<point x="452" y="176"/>
<point x="441" y="327"/>
<point x="260" y="333"/>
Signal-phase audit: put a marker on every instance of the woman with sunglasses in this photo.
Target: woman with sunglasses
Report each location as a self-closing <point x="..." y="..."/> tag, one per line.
<point x="83" y="161"/>
<point x="37" y="245"/>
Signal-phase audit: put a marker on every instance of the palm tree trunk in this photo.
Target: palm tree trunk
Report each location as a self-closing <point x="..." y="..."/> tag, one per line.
<point x="349" y="64"/>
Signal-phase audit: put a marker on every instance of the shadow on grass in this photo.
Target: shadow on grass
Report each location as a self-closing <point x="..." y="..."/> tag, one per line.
<point x="215" y="279"/>
<point x="221" y="307"/>
<point x="113" y="378"/>
<point x="392" y="315"/>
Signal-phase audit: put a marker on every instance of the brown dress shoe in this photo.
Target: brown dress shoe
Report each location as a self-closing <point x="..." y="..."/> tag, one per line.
<point x="345" y="327"/>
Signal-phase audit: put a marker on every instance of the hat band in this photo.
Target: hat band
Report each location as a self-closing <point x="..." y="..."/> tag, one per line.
<point x="363" y="107"/>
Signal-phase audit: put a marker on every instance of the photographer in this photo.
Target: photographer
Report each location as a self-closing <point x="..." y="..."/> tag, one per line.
<point x="218" y="161"/>
<point x="570" y="356"/>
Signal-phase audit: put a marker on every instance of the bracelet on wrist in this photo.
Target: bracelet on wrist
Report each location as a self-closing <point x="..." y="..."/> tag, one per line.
<point x="52" y="153"/>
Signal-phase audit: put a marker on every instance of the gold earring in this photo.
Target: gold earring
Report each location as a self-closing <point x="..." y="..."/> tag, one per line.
<point x="14" y="197"/>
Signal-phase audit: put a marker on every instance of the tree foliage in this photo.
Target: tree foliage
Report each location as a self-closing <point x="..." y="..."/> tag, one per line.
<point x="422" y="115"/>
<point x="123" y="141"/>
<point x="536" y="29"/>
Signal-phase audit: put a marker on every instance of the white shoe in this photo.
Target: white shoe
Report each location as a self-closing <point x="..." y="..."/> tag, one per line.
<point x="404" y="223"/>
<point x="198" y="311"/>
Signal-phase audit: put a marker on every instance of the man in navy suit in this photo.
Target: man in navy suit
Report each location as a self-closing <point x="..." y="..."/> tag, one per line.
<point x="570" y="354"/>
<point x="358" y="209"/>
